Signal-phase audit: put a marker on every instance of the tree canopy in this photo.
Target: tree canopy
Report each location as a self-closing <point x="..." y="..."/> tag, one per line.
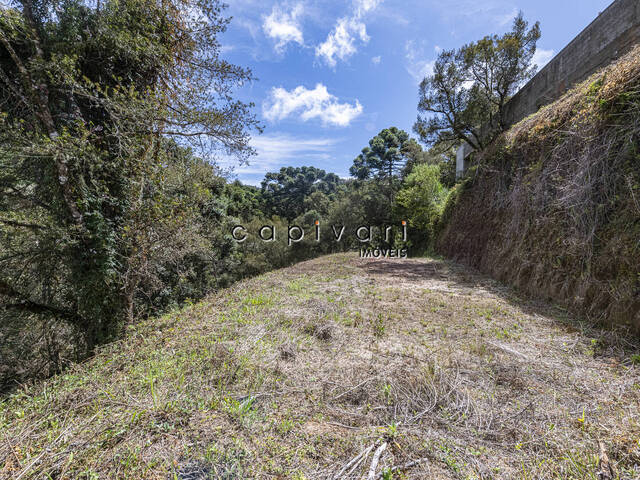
<point x="465" y="97"/>
<point x="422" y="196"/>
<point x="286" y="191"/>
<point x="98" y="102"/>
<point x="385" y="159"/>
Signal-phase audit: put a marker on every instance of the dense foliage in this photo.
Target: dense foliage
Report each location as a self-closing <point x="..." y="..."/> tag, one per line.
<point x="421" y="200"/>
<point x="104" y="212"/>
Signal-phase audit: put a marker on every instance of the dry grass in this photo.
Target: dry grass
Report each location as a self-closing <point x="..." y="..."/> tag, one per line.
<point x="315" y="370"/>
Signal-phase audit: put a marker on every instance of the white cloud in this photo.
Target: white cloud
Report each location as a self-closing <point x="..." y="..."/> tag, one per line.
<point x="277" y="150"/>
<point x="490" y="12"/>
<point x="224" y="49"/>
<point x="309" y="104"/>
<point x="340" y="44"/>
<point x="542" y="57"/>
<point x="393" y="14"/>
<point x="421" y="69"/>
<point x="365" y="6"/>
<point x="468" y="84"/>
<point x="505" y="18"/>
<point x="341" y="41"/>
<point x="418" y="66"/>
<point x="376" y="60"/>
<point x="284" y="27"/>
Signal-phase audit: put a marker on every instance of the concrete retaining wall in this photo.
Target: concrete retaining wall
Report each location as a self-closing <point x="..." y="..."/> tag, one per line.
<point x="608" y="37"/>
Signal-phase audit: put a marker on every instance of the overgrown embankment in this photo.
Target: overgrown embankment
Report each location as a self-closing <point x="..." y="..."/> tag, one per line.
<point x="553" y="207"/>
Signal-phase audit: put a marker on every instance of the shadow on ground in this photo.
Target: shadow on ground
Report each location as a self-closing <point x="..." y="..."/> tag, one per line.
<point x="614" y="342"/>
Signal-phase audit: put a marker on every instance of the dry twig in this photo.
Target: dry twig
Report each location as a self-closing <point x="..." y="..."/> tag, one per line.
<point x="375" y="460"/>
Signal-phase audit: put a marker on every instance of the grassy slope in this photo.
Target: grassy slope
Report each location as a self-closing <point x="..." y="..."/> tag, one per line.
<point x="293" y="373"/>
<point x="554" y="208"/>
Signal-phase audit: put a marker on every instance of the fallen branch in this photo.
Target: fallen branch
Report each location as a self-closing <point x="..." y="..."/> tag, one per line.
<point x="510" y="350"/>
<point x="14" y="223"/>
<point x="374" y="462"/>
<point x="353" y="463"/>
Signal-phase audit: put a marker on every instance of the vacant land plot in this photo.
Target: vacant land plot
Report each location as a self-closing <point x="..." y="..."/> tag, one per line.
<point x="341" y="368"/>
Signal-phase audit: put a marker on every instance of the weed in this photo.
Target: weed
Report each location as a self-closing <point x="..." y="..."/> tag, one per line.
<point x="239" y="410"/>
<point x="379" y="326"/>
<point x="391" y="432"/>
<point x="285" y="426"/>
<point x="386" y="392"/>
<point x="387" y="474"/>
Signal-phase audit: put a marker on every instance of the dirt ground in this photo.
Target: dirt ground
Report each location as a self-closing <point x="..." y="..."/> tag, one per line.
<point x="342" y="367"/>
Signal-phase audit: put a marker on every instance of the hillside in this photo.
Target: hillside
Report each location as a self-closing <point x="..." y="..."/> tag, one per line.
<point x="553" y="207"/>
<point x="421" y="365"/>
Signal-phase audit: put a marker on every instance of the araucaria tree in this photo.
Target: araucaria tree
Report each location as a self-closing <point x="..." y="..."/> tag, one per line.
<point x="286" y="193"/>
<point x="384" y="160"/>
<point x="98" y="196"/>
<point x="465" y="97"/>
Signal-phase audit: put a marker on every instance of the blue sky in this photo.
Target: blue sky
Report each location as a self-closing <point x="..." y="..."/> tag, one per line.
<point x="332" y="74"/>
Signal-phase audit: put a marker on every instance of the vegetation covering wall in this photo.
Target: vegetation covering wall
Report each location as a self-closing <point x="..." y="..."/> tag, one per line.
<point x="553" y="206"/>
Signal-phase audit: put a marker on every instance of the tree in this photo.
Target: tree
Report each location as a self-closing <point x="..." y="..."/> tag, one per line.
<point x="421" y="200"/>
<point x="385" y="159"/>
<point x="446" y="160"/>
<point x="441" y="155"/>
<point x="357" y="204"/>
<point x="465" y="98"/>
<point x="98" y="102"/>
<point x="243" y="201"/>
<point x="415" y="155"/>
<point x="285" y="191"/>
